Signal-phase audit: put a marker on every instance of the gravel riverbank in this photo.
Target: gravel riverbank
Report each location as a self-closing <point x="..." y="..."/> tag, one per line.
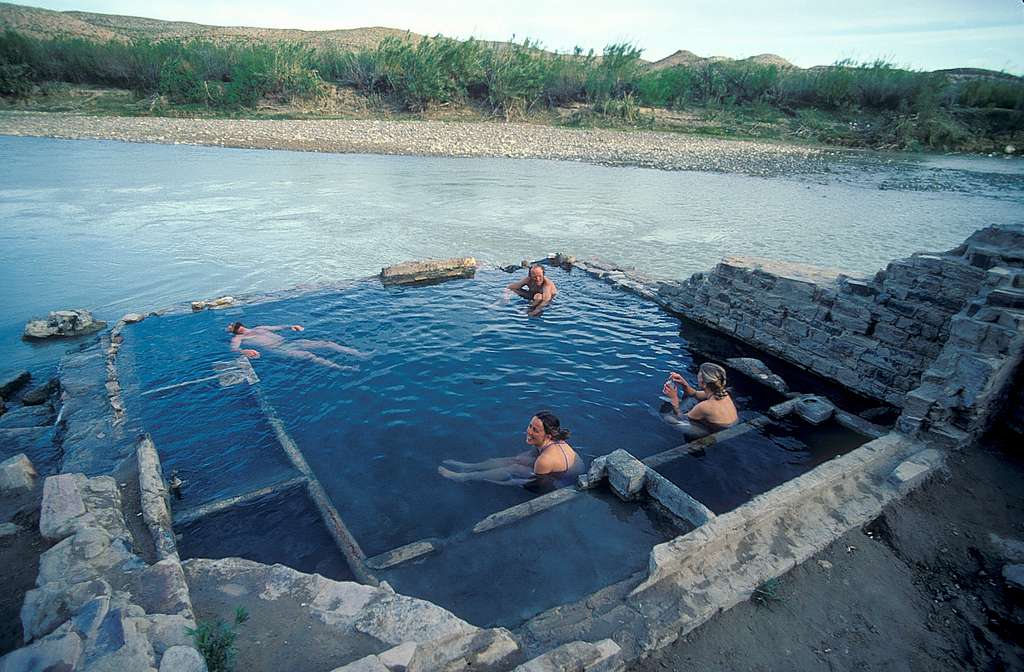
<point x="666" y="151"/>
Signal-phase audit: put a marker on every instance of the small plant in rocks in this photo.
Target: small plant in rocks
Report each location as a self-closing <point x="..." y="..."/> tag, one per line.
<point x="215" y="640"/>
<point x="767" y="593"/>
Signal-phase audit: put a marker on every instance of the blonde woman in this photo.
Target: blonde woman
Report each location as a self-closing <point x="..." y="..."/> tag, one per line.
<point x="711" y="409"/>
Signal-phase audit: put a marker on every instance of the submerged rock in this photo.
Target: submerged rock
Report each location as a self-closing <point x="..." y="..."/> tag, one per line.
<point x="11" y="384"/>
<point x="28" y="416"/>
<point x="64" y="323"/>
<point x="39" y="394"/>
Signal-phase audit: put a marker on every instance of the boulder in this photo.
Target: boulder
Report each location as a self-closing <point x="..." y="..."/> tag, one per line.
<point x="53" y="603"/>
<point x="28" y="416"/>
<point x="119" y="645"/>
<point x="59" y="651"/>
<point x="61" y="508"/>
<point x="64" y="324"/>
<point x="413" y="272"/>
<point x="166" y="631"/>
<point x="17" y="475"/>
<point x="40" y="394"/>
<point x="162" y="589"/>
<point x="11" y="384"/>
<point x="182" y="659"/>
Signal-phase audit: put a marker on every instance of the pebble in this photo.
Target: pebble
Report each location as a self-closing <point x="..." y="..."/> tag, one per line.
<point x="651" y="149"/>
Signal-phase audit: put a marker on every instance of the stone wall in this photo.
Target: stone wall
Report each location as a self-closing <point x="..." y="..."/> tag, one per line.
<point x="970" y="382"/>
<point x="875" y="336"/>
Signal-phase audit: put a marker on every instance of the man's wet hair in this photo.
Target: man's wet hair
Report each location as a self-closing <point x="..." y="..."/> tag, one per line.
<point x="536" y="266"/>
<point x="235" y="326"/>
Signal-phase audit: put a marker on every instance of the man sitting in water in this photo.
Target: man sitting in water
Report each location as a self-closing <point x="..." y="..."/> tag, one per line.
<point x="299" y="349"/>
<point x="535" y="287"/>
<point x="551" y="462"/>
<point x="711" y="407"/>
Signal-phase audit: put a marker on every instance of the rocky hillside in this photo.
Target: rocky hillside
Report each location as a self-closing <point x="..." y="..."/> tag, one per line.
<point x="45" y="23"/>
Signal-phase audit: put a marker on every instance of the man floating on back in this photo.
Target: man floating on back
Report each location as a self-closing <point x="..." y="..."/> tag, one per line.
<point x="266" y="337"/>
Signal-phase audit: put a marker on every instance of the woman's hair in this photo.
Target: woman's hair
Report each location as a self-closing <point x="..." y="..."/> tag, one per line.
<point x="552" y="427"/>
<point x="234" y="326"/>
<point x="714" y="379"/>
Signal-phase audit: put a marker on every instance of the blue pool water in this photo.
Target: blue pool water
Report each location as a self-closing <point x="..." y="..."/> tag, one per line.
<point x="733" y="471"/>
<point x="505" y="576"/>
<point x="451" y="373"/>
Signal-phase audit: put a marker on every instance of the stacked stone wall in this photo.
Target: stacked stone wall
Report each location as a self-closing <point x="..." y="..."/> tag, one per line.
<point x="875" y="336"/>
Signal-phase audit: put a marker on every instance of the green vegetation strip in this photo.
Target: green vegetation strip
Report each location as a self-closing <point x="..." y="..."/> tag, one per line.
<point x="849" y="103"/>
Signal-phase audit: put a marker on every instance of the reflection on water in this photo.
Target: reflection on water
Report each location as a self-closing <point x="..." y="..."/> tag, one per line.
<point x="117" y="227"/>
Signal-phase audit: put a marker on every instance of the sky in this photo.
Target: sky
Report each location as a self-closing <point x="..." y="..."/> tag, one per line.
<point x="919" y="34"/>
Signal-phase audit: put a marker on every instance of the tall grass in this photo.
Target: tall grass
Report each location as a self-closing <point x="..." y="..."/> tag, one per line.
<point x="509" y="79"/>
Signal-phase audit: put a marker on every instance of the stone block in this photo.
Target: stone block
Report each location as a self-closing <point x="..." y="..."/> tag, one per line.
<point x="369" y="663"/>
<point x="675" y="500"/>
<point x="759" y="372"/>
<point x="626" y="474"/>
<point x="913" y="471"/>
<point x="162" y="589"/>
<point x="574" y="656"/>
<point x="482" y="650"/>
<point x="17" y="475"/>
<point x="182" y="659"/>
<point x="394" y="619"/>
<point x="412" y="272"/>
<point x="814" y="409"/>
<point x="62" y="506"/>
<point x="397" y="658"/>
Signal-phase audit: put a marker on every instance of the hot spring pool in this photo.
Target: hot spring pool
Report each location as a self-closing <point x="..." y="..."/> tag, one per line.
<point x="448" y="371"/>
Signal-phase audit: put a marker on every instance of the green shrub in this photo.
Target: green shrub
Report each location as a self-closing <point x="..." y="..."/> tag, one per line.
<point x="215" y="640"/>
<point x="614" y="75"/>
<point x="991" y="93"/>
<point x="515" y="78"/>
<point x="15" y="79"/>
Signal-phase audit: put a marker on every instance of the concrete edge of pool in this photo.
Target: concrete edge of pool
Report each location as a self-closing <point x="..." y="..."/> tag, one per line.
<point x="926" y="319"/>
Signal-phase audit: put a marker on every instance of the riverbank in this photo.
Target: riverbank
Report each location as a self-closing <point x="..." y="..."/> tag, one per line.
<point x="649" y="149"/>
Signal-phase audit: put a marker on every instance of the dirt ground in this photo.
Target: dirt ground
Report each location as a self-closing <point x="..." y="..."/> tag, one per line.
<point x="920" y="588"/>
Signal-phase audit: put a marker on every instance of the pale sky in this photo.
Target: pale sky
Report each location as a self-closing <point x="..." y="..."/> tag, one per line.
<point x="919" y="34"/>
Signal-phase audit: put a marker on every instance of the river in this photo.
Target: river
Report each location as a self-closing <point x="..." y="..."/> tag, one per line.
<point x="119" y="227"/>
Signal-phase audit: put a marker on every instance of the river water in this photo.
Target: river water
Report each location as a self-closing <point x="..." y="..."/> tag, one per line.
<point x="117" y="227"/>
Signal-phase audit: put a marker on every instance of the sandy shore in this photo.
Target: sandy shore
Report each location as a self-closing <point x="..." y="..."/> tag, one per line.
<point x="667" y="151"/>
